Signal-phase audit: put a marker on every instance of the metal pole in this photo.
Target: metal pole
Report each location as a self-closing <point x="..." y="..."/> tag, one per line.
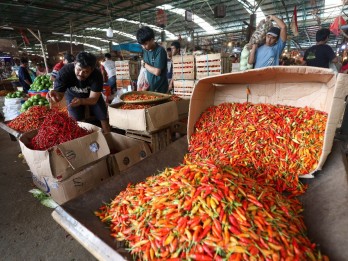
<point x="43" y="52"/>
<point x="38" y="37"/>
<point x="71" y="47"/>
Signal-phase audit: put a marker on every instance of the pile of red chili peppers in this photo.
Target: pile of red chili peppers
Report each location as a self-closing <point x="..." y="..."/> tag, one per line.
<point x="226" y="202"/>
<point x="57" y="128"/>
<point x="276" y="144"/>
<point x="30" y="119"/>
<point x="203" y="212"/>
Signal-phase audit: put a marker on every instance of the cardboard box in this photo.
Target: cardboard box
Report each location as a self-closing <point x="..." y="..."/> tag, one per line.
<point x="124" y="152"/>
<point x="297" y="86"/>
<point x="183" y="67"/>
<point x="149" y="120"/>
<point x="127" y="69"/>
<point x="212" y="64"/>
<point x="86" y="179"/>
<point x="157" y="140"/>
<point x="184" y="88"/>
<point x="64" y="160"/>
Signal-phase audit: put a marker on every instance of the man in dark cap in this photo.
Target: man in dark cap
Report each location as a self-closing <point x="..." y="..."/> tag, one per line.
<point x="269" y="53"/>
<point x="321" y="54"/>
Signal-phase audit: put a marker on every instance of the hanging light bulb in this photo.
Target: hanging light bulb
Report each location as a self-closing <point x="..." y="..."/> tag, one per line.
<point x="109" y="32"/>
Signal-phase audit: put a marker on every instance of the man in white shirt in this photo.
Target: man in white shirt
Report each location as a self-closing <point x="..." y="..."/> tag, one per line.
<point x="110" y="69"/>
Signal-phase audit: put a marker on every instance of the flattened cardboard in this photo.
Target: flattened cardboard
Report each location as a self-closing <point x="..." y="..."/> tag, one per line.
<point x="72" y="157"/>
<point x="149" y="120"/>
<point x="128" y="152"/>
<point x="62" y="191"/>
<point x="298" y="86"/>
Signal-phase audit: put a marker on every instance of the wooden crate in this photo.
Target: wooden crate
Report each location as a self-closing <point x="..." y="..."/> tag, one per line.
<point x="212" y="64"/>
<point x="127" y="70"/>
<point x="157" y="140"/>
<point x="123" y="82"/>
<point x="183" y="67"/>
<point x="184" y="88"/>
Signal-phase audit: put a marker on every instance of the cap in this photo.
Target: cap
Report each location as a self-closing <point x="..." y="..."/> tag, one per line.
<point x="274" y="31"/>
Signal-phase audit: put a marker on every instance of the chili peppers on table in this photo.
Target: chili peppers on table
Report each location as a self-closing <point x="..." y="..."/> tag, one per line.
<point x="57" y="128"/>
<point x="202" y="212"/>
<point x="276" y="144"/>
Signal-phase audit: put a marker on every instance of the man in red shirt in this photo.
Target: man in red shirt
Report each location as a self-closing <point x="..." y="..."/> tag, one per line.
<point x="68" y="58"/>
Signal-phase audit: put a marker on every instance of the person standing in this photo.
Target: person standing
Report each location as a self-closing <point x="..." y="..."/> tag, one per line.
<point x="68" y="58"/>
<point x="268" y="54"/>
<point x="169" y="66"/>
<point x="24" y="76"/>
<point x="110" y="69"/>
<point x="82" y="85"/>
<point x="175" y="47"/>
<point x="320" y="54"/>
<point x="155" y="60"/>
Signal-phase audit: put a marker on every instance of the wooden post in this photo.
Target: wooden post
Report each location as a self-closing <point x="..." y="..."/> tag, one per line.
<point x="38" y="37"/>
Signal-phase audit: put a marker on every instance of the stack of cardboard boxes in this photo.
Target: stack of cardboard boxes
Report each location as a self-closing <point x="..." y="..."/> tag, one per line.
<point x="68" y="170"/>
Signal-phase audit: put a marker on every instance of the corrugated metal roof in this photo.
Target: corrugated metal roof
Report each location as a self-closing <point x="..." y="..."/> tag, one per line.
<point x="87" y="20"/>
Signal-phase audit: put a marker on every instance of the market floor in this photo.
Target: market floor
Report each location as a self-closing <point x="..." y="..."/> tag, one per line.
<point x="27" y="229"/>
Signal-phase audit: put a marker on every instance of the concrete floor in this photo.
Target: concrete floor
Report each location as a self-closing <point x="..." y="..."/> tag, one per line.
<point x="27" y="229"/>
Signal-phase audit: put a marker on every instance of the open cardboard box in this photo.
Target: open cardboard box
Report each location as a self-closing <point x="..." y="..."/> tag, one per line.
<point x="148" y="120"/>
<point x="64" y="160"/>
<point x="297" y="86"/>
<point x="87" y="178"/>
<point x="124" y="152"/>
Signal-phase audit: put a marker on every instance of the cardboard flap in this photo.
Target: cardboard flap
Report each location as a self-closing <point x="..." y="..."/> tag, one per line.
<point x="125" y="151"/>
<point x="132" y="155"/>
<point x="157" y="120"/>
<point x="39" y="161"/>
<point x="183" y="106"/>
<point x="81" y="151"/>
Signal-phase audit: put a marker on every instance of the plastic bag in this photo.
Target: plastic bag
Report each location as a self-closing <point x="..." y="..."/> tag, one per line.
<point x="143" y="83"/>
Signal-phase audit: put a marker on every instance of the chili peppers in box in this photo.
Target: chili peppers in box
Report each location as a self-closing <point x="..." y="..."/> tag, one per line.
<point x="147" y="119"/>
<point x="315" y="88"/>
<point x="61" y="146"/>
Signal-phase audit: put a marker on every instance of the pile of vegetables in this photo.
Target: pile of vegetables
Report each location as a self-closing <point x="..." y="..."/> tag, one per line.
<point x="276" y="144"/>
<point x="34" y="100"/>
<point x="227" y="201"/>
<point x="41" y="83"/>
<point x="131" y="106"/>
<point x="16" y="94"/>
<point x="57" y="128"/>
<point x="201" y="212"/>
<point x="140" y="97"/>
<point x="29" y="120"/>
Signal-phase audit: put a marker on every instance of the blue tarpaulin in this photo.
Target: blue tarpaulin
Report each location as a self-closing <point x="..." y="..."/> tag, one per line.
<point x="131" y="47"/>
